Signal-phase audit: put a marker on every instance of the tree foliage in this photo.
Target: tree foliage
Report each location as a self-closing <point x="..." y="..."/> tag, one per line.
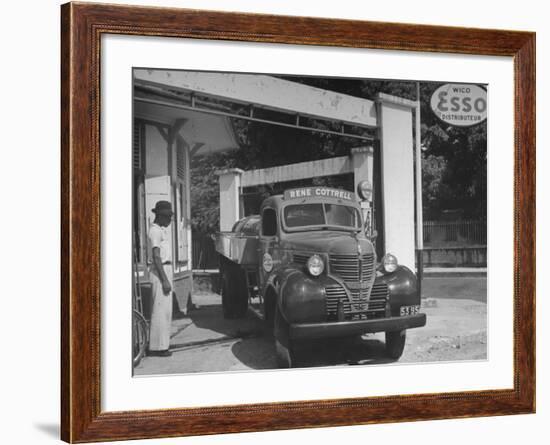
<point x="454" y="159"/>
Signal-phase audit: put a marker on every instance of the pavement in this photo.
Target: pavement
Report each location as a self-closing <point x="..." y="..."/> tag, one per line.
<point x="204" y="341"/>
<point x="460" y="287"/>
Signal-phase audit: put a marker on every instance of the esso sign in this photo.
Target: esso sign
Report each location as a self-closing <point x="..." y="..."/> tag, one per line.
<point x="460" y="104"/>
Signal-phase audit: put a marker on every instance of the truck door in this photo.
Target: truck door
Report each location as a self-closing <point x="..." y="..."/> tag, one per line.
<point x="268" y="248"/>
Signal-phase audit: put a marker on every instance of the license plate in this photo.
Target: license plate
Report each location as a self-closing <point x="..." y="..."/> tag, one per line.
<point x="409" y="310"/>
<point x="359" y="307"/>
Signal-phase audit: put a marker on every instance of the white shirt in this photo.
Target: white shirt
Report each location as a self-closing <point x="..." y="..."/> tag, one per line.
<point x="158" y="237"/>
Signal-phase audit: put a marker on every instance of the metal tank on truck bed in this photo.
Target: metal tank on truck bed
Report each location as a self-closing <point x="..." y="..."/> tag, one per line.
<point x="241" y="244"/>
<point x="307" y="268"/>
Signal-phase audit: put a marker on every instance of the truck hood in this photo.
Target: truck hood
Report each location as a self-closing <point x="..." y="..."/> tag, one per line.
<point x="328" y="241"/>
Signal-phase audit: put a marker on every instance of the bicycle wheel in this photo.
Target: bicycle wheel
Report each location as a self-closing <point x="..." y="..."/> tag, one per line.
<point x="140" y="337"/>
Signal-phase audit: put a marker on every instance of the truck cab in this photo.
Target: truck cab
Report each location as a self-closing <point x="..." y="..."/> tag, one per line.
<point x="306" y="267"/>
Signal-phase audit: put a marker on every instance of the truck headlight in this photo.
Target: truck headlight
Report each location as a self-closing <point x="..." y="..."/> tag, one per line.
<point x="267" y="262"/>
<point x="315" y="265"/>
<point x="389" y="262"/>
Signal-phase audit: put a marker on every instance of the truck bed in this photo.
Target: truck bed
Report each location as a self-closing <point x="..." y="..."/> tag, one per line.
<point x="239" y="248"/>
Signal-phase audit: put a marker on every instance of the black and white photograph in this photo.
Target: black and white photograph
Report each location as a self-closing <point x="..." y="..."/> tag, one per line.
<point x="287" y="221"/>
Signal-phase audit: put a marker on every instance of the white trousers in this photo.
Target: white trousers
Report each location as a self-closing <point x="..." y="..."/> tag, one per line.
<point x="161" y="316"/>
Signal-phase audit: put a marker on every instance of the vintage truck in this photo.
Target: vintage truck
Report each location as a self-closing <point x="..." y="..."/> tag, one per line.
<point x="306" y="267"/>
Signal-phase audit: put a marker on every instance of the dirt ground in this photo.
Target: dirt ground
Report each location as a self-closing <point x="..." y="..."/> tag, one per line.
<point x="204" y="341"/>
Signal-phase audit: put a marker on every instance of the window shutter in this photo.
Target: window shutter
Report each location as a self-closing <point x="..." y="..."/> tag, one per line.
<point x="181" y="210"/>
<point x="137" y="144"/>
<point x="180" y="162"/>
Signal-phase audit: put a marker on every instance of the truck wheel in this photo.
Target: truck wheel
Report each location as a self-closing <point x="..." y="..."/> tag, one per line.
<point x="395" y="343"/>
<point x="269" y="320"/>
<point x="240" y="293"/>
<point x="284" y="350"/>
<point x="227" y="297"/>
<point x="234" y="293"/>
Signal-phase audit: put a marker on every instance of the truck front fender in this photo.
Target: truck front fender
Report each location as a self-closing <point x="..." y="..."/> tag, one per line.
<point x="403" y="288"/>
<point x="300" y="297"/>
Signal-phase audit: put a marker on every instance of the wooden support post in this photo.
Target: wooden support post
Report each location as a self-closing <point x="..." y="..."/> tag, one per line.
<point x="398" y="189"/>
<point x="418" y="193"/>
<point x="230" y="190"/>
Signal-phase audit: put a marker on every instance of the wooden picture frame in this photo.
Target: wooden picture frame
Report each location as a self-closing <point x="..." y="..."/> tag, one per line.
<point x="82" y="26"/>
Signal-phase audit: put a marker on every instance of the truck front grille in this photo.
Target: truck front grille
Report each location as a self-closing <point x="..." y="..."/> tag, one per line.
<point x="352" y="268"/>
<point x="300" y="258"/>
<point x="358" y="306"/>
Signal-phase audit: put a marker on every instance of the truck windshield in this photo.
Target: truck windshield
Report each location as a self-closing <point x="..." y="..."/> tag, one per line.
<point x="322" y="215"/>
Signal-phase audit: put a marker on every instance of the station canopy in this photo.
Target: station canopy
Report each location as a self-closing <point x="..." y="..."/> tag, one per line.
<point x="204" y="104"/>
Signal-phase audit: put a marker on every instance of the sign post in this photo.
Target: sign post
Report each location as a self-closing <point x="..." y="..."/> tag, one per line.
<point x="418" y="189"/>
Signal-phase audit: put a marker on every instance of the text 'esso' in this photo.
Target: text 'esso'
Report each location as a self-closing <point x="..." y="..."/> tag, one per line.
<point x="460" y="104"/>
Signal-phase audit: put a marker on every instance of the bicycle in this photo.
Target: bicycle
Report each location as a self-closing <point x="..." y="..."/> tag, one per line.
<point x="140" y="337"/>
<point x="140" y="327"/>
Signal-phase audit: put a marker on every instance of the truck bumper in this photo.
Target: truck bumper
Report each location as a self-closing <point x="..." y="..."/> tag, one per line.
<point x="345" y="328"/>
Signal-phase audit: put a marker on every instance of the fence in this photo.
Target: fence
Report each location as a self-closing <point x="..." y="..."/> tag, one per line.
<point x="455" y="243"/>
<point x="455" y="233"/>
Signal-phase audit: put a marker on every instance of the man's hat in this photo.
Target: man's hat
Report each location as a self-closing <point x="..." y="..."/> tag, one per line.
<point x="163" y="208"/>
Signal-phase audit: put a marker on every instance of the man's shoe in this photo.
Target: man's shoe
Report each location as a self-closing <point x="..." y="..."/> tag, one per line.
<point x="164" y="353"/>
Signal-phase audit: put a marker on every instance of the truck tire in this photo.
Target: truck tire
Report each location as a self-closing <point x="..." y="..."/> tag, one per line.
<point x="395" y="343"/>
<point x="240" y="296"/>
<point x="234" y="293"/>
<point x="284" y="348"/>
<point x="227" y="297"/>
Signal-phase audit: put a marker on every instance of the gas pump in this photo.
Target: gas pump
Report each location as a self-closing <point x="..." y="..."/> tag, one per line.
<point x="364" y="190"/>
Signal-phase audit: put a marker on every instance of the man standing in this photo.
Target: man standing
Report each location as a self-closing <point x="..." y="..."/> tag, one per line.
<point x="161" y="281"/>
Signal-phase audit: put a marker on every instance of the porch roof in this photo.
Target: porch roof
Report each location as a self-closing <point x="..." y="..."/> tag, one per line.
<point x="206" y="132"/>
